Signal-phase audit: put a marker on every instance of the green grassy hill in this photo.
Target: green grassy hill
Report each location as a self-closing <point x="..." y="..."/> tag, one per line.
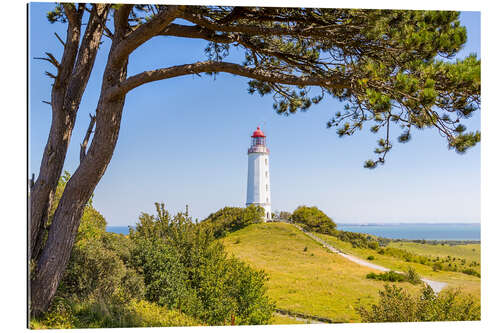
<point x="467" y="283"/>
<point x="304" y="276"/>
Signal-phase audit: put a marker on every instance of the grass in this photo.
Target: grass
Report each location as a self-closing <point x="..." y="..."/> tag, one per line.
<point x="67" y="313"/>
<point x="315" y="281"/>
<point x="467" y="283"/>
<point x="470" y="252"/>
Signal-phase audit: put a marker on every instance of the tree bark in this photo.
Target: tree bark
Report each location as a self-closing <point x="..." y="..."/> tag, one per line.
<point x="55" y="255"/>
<point x="64" y="227"/>
<point x="73" y="74"/>
<point x="42" y="193"/>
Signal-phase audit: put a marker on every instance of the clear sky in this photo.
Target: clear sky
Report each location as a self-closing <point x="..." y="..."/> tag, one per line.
<point x="184" y="141"/>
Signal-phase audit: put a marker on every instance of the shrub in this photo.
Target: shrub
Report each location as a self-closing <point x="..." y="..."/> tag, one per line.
<point x="229" y="219"/>
<point x="146" y="314"/>
<point x="470" y="271"/>
<point x="90" y="313"/>
<point x="437" y="266"/>
<point x="185" y="268"/>
<point x="390" y="276"/>
<point x="413" y="276"/>
<point x="164" y="274"/>
<point x="59" y="315"/>
<point x="99" y="265"/>
<point x="397" y="305"/>
<point x="314" y="220"/>
<point x="283" y="215"/>
<point x="370" y="258"/>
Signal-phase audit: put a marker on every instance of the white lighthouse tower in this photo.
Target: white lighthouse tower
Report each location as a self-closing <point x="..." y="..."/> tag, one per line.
<point x="258" y="186"/>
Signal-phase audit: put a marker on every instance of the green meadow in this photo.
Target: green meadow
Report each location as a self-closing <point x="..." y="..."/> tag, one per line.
<point x="471" y="252"/>
<point x="303" y="276"/>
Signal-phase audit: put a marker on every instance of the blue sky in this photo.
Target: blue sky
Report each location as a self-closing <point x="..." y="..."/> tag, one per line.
<point x="184" y="140"/>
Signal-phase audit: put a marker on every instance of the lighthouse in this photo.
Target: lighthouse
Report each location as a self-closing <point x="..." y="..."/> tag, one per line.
<point x="258" y="186"/>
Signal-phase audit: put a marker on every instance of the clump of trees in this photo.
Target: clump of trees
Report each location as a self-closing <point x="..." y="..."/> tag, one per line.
<point x="313" y="219"/>
<point x="229" y="219"/>
<point x="398" y="305"/>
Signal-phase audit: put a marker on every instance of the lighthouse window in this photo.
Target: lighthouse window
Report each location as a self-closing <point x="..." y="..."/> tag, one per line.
<point x="267" y="187"/>
<point x="267" y="200"/>
<point x="266" y="174"/>
<point x="266" y="161"/>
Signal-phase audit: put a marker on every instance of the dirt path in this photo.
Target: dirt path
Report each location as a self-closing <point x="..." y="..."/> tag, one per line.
<point x="304" y="320"/>
<point x="435" y="285"/>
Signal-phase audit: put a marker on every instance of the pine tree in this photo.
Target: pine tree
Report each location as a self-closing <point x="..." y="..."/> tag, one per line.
<point x="393" y="69"/>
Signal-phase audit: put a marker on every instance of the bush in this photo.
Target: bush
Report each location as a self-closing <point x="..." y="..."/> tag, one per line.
<point x="185" y="268"/>
<point x="470" y="271"/>
<point x="99" y="265"/>
<point x="229" y="219"/>
<point x="370" y="258"/>
<point x="313" y="220"/>
<point x="397" y="305"/>
<point x="390" y="276"/>
<point x="74" y="313"/>
<point x="283" y="215"/>
<point x="146" y="314"/>
<point x="413" y="276"/>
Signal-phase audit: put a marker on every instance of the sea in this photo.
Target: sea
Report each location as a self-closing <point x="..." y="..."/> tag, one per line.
<point x="427" y="231"/>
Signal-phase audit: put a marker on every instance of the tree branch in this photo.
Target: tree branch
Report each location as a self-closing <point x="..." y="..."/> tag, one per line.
<point x="196" y="31"/>
<point x="143" y="33"/>
<point x="102" y="21"/>
<point x="83" y="145"/>
<point x="225" y="67"/>
<point x="86" y="55"/>
<point x="59" y="39"/>
<point x="70" y="50"/>
<point x="255" y="29"/>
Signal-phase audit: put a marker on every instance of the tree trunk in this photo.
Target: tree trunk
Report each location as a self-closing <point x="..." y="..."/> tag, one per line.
<point x="42" y="193"/>
<point x="64" y="227"/>
<point x="73" y="74"/>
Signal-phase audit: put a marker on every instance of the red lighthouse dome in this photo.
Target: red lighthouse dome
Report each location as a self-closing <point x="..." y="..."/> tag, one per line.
<point x="258" y="133"/>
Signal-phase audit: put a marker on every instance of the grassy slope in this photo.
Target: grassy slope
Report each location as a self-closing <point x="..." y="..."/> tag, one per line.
<point x="470" y="252"/>
<point x="467" y="283"/>
<point x="315" y="281"/>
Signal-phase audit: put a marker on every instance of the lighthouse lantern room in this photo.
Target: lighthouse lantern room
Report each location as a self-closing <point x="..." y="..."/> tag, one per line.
<point x="258" y="187"/>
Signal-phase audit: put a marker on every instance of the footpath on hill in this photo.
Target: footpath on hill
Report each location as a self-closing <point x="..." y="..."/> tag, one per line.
<point x="435" y="285"/>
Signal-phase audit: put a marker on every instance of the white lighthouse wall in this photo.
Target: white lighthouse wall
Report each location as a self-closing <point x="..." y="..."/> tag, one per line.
<point x="259" y="185"/>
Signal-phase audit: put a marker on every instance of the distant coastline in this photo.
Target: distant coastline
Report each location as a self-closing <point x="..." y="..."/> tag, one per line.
<point x="406" y="223"/>
<point x="409" y="231"/>
<point x="418" y="231"/>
